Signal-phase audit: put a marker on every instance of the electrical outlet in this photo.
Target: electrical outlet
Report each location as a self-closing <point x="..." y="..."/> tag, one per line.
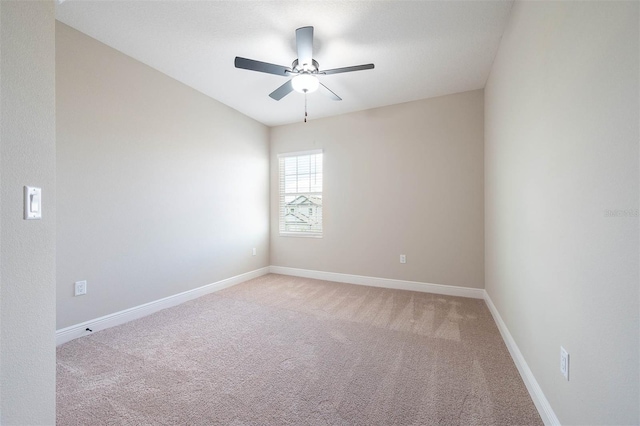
<point x="403" y="258"/>
<point x="564" y="362"/>
<point x="80" y="288"/>
<point x="254" y="251"/>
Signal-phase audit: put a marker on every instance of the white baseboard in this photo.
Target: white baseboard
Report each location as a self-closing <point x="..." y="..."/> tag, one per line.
<point x="69" y="333"/>
<point x="449" y="290"/>
<point x="542" y="404"/>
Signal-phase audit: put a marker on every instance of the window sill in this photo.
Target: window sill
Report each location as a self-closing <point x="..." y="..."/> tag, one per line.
<point x="299" y="235"/>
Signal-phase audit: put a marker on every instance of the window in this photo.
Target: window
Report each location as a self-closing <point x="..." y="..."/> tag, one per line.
<point x="300" y="175"/>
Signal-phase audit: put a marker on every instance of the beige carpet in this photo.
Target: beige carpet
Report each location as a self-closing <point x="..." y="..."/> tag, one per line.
<point x="281" y="350"/>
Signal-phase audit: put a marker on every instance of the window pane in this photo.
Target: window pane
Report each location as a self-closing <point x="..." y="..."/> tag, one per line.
<point x="304" y="163"/>
<point x="316" y="183"/>
<point x="303" y="183"/>
<point x="290" y="184"/>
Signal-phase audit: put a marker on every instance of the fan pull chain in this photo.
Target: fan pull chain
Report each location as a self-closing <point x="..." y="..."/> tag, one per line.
<point x="305" y="106"/>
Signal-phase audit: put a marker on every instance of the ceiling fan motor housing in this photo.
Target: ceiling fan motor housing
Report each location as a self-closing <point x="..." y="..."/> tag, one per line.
<point x="310" y="68"/>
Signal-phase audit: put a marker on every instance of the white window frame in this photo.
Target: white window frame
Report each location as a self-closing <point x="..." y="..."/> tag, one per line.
<point x="281" y="191"/>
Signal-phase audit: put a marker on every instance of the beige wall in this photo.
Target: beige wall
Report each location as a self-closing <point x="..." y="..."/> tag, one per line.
<point x="561" y="147"/>
<point x="27" y="248"/>
<point x="161" y="189"/>
<point x="403" y="179"/>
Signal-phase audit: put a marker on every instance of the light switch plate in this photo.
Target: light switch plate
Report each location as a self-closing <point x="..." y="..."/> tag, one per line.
<point x="32" y="203"/>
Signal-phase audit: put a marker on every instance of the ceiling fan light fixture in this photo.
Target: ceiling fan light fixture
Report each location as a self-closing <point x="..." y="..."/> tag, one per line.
<point x="305" y="83"/>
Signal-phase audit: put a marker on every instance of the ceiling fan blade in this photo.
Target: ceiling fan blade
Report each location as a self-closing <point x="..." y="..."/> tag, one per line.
<point x="304" y="43"/>
<point x="282" y="91"/>
<point x="250" y="64"/>
<point x="328" y="92"/>
<point x="347" y="69"/>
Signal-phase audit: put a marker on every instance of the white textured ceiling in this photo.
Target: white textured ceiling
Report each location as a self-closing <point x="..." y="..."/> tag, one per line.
<point x="420" y="49"/>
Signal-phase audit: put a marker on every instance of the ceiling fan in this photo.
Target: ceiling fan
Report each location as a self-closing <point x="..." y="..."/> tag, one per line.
<point x="304" y="70"/>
